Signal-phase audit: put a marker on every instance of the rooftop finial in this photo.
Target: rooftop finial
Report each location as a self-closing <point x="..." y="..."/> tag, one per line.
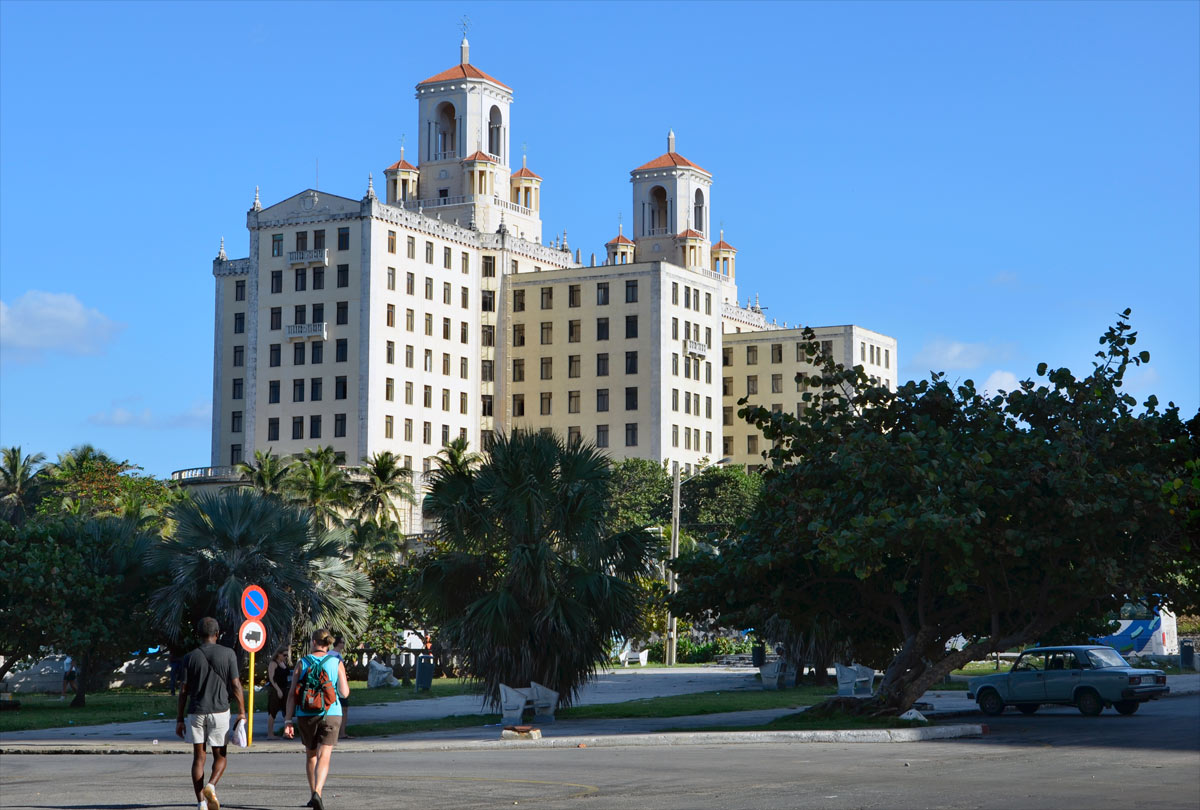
<point x="564" y="241"/>
<point x="257" y="204"/>
<point x="370" y="184"/>
<point x="465" y="47"/>
<point x="221" y="252"/>
<point x="671" y="141"/>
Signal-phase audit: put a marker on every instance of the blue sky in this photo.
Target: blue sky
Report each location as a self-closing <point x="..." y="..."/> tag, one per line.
<point x="988" y="183"/>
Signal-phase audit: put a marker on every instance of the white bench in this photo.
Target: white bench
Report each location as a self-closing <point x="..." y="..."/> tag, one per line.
<point x="627" y="655"/>
<point x="514" y="702"/>
<point x="774" y="674"/>
<point x="855" y="680"/>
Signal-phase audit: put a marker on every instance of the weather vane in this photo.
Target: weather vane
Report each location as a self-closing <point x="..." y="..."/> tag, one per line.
<point x="464" y="24"/>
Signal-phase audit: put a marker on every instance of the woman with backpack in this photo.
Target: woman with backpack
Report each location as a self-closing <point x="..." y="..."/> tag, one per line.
<point x="317" y="682"/>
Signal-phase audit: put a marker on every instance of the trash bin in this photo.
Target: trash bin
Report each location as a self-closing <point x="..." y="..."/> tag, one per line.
<point x="758" y="655"/>
<point x="425" y="672"/>
<point x="1187" y="654"/>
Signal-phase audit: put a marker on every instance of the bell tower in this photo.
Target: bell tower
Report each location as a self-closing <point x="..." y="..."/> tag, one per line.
<point x="671" y="209"/>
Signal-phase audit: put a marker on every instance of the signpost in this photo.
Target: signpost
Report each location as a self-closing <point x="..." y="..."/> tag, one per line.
<point x="252" y="635"/>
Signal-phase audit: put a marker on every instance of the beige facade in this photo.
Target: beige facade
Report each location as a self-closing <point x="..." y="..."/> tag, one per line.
<point x="402" y="322"/>
<point x="763" y="365"/>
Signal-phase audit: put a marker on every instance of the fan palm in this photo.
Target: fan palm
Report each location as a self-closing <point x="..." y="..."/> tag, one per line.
<point x="525" y="580"/>
<point x="268" y="472"/>
<point x="318" y="483"/>
<point x="388" y="485"/>
<point x="21" y="478"/>
<point x="227" y="540"/>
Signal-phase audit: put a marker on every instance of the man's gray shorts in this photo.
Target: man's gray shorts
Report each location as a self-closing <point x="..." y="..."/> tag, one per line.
<point x="207" y="728"/>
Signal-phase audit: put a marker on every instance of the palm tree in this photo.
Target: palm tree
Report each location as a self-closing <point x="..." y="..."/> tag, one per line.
<point x="318" y="483"/>
<point x="368" y="540"/>
<point x="388" y="484"/>
<point x="268" y="472"/>
<point x="227" y="540"/>
<point x="525" y="581"/>
<point x="21" y="479"/>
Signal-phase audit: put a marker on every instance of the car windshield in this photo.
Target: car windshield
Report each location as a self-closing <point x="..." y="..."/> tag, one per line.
<point x="1106" y="658"/>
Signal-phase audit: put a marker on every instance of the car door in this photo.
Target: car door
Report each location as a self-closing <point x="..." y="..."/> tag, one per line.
<point x="1026" y="680"/>
<point x="1061" y="676"/>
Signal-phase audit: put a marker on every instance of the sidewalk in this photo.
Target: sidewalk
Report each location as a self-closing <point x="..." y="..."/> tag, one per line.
<point x="615" y="686"/>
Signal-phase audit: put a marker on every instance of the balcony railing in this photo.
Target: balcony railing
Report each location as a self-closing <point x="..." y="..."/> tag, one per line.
<point x="512" y="206"/>
<point x="199" y="473"/>
<point x="435" y="202"/>
<point x="318" y="256"/>
<point x="695" y="347"/>
<point x="659" y="232"/>
<point x="451" y="155"/>
<point x="299" y="331"/>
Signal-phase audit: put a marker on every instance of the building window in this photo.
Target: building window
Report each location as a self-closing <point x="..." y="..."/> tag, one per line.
<point x="751" y="384"/>
<point x="427" y="436"/>
<point x="273" y="429"/>
<point x="776" y="383"/>
<point x="489" y="267"/>
<point x="297" y="427"/>
<point x="447" y="258"/>
<point x="428" y="360"/>
<point x="297" y="390"/>
<point x="276" y="244"/>
<point x="631" y="434"/>
<point x="429" y="324"/>
<point x="518" y="334"/>
<point x="318" y="352"/>
<point x="602" y="293"/>
<point x="573" y="365"/>
<point x="391" y="278"/>
<point x="518" y="300"/>
<point x="574" y="331"/>
<point x="408" y="392"/>
<point x="239" y="290"/>
<point x="674" y="435"/>
<point x="675" y="365"/>
<point x="776" y="352"/>
<point x="318" y="278"/>
<point x="314" y="426"/>
<point x="464" y="332"/>
<point x="546" y="403"/>
<point x="343" y="313"/>
<point x="391" y="242"/>
<point x="687" y="297"/>
<point x="751" y="355"/>
<point x="298" y="313"/>
<point x="237" y="388"/>
<point x="887" y="358"/>
<point x="631" y="398"/>
<point x="727" y="386"/>
<point x="339" y="387"/>
<point x="518" y="405"/>
<point x="410" y="284"/>
<point x="339" y="425"/>
<point x="446" y="325"/>
<point x="631" y="326"/>
<point x="411" y="247"/>
<point x="631" y="366"/>
<point x="235" y="422"/>
<point x="675" y="292"/>
<point x="298" y="354"/>
<point x="573" y="435"/>
<point x="301" y="279"/>
<point x="447" y="293"/>
<point x="601" y="400"/>
<point x="276" y="318"/>
<point x="547" y="368"/>
<point x="752" y="444"/>
<point x="675" y="399"/>
<point x="462" y="368"/>
<point x="631" y="296"/>
<point x="727" y="416"/>
<point x="602" y="435"/>
<point x="445" y="399"/>
<point x="573" y="295"/>
<point x="408" y="430"/>
<point x="466" y="262"/>
<point x="343" y="275"/>
<point x="274" y="355"/>
<point x="387" y="427"/>
<point x="276" y="281"/>
<point x="572" y="402"/>
<point x="389" y="389"/>
<point x="518" y="370"/>
<point x="727" y="356"/>
<point x="410" y="320"/>
<point x="487" y="301"/>
<point x="708" y="407"/>
<point x="427" y="396"/>
<point x="487" y="335"/>
<point x="429" y="253"/>
<point x="602" y="364"/>
<point x="602" y="329"/>
<point x="547" y="298"/>
<point x="273" y="392"/>
<point x="466" y="298"/>
<point x="341" y="350"/>
<point x="674" y="329"/>
<point x="485" y="405"/>
<point x="391" y="315"/>
<point x="343" y="238"/>
<point x="445" y="435"/>
<point x="486" y="370"/>
<point x="428" y="289"/>
<point x="314" y="389"/>
<point x="547" y="333"/>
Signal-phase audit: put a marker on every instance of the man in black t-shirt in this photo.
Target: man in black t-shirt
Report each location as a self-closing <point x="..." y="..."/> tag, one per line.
<point x="211" y="679"/>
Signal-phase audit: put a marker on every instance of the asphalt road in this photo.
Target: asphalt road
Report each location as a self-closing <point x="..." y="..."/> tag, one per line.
<point x="1054" y="759"/>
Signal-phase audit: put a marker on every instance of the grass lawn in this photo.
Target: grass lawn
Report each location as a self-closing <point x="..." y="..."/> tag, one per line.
<point x="673" y="706"/>
<point x="976" y="668"/>
<point x="799" y="722"/>
<point x="132" y="705"/>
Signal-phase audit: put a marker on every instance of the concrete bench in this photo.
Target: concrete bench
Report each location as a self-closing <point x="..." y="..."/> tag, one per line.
<point x="774" y="674"/>
<point x="514" y="702"/>
<point x="627" y="655"/>
<point x="855" y="680"/>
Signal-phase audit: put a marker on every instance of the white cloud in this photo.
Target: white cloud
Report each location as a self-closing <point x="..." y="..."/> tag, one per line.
<point x="197" y="416"/>
<point x="951" y="355"/>
<point x="1004" y="279"/>
<point x="39" y="322"/>
<point x="1000" y="380"/>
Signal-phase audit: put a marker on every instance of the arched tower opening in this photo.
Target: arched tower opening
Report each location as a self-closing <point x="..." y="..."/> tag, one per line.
<point x="699" y="222"/>
<point x="495" y="141"/>
<point x="659" y="211"/>
<point x="447" y="132"/>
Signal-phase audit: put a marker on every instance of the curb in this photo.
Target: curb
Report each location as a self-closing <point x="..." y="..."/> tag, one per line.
<point x="892" y="735"/>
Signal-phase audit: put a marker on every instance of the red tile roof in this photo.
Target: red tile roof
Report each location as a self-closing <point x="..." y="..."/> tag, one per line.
<point x="621" y="239"/>
<point x="523" y="172"/>
<point x="457" y="72"/>
<point x="479" y="156"/>
<point x="690" y="234"/>
<point x="668" y="160"/>
<point x="401" y="164"/>
<point x="723" y="245"/>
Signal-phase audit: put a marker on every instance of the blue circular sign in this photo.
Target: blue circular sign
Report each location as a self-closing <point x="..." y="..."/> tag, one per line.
<point x="254" y="602"/>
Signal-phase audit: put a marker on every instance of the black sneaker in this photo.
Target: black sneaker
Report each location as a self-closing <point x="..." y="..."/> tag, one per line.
<point x="317" y="803"/>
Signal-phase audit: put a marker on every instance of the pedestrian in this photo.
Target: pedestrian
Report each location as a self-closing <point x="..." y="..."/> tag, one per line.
<point x="70" y="675"/>
<point x="175" y="662"/>
<point x="318" y="681"/>
<point x="339" y="647"/>
<point x="211" y="678"/>
<point x="279" y="676"/>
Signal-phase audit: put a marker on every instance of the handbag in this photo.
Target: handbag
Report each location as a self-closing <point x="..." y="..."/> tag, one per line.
<point x="237" y="734"/>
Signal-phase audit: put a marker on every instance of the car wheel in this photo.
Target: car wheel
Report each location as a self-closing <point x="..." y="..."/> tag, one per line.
<point x="1089" y="703"/>
<point x="990" y="703"/>
<point x="1027" y="708"/>
<point x="1126" y="706"/>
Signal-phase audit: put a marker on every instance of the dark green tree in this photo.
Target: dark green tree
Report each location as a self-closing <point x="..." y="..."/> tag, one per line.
<point x="641" y="495"/>
<point x="22" y="479"/>
<point x="525" y="580"/>
<point x="914" y="516"/>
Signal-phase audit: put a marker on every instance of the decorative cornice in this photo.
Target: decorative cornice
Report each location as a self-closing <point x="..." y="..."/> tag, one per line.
<point x="231" y="267"/>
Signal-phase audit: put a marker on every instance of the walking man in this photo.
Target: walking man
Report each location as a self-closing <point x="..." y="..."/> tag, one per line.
<point x="211" y="677"/>
<point x="318" y="682"/>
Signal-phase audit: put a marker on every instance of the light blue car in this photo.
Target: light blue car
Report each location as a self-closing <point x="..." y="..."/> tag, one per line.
<point x="1087" y="677"/>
